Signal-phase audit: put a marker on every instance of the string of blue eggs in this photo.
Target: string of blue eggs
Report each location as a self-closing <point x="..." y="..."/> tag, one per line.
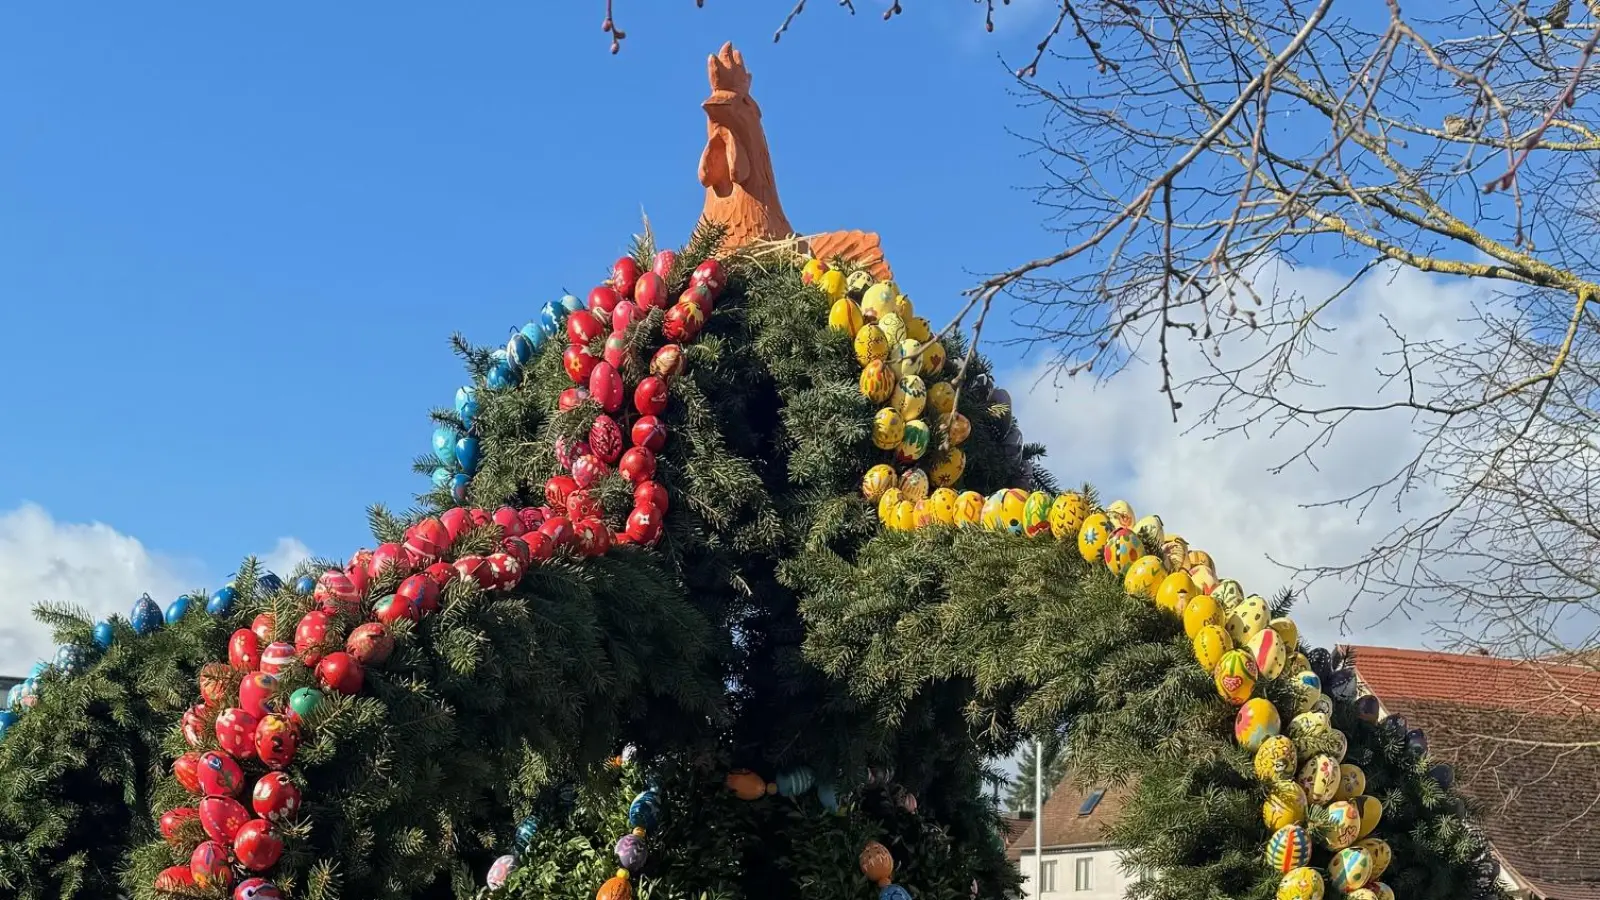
<point x="145" y="618"/>
<point x="458" y="452"/>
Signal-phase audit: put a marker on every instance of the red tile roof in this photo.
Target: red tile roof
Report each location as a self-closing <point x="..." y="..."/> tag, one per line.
<point x="1063" y="827"/>
<point x="1528" y="685"/>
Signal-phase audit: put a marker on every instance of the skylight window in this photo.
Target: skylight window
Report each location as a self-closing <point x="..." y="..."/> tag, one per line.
<point x="1091" y="801"/>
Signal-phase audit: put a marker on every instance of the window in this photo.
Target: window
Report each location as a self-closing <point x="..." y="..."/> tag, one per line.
<point x="1047" y="877"/>
<point x="1091" y="801"/>
<point x="1083" y="874"/>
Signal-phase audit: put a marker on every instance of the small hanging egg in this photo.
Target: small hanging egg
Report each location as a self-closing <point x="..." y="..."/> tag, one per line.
<point x="632" y="852"/>
<point x="877" y="863"/>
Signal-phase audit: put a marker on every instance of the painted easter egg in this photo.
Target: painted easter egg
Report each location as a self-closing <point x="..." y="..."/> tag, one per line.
<point x="1122" y="548"/>
<point x="257" y="889"/>
<point x="1199" y="612"/>
<point x="914" y="485"/>
<point x="906" y="357"/>
<point x="969" y="507"/>
<point x="960" y="428"/>
<point x="878" y="479"/>
<point x="1267" y="650"/>
<point x="1352" y="782"/>
<point x="1067" y="514"/>
<point x="174" y="879"/>
<point x="887" y="429"/>
<point x="1307" y="725"/>
<point x="1144" y="577"/>
<point x="276" y="657"/>
<point x="1235" y="677"/>
<point x="932" y="358"/>
<point x="1175" y="550"/>
<point x="905" y="516"/>
<point x="1349" y="869"/>
<point x="942" y="397"/>
<point x="236" y="731"/>
<point x="502" y="868"/>
<point x="1371" y="810"/>
<point x="256" y="846"/>
<point x="1306" y="679"/>
<point x="1256" y="721"/>
<point x="893" y="327"/>
<point x="1229" y="593"/>
<point x="1276" y="759"/>
<point x="910" y="397"/>
<point x="276" y="741"/>
<point x="1342" y="826"/>
<point x="1151" y="530"/>
<point x="1288" y="631"/>
<point x="877" y="863"/>
<point x="845" y="316"/>
<point x="1285" y="805"/>
<point x="1175" y="592"/>
<point x="1368" y="708"/>
<point x="173" y="822"/>
<point x="1205" y="578"/>
<point x="878" y="381"/>
<point x="1378" y="849"/>
<point x="1303" y="883"/>
<point x="1210" y="643"/>
<point x="1036" y="514"/>
<point x="1093" y="535"/>
<point x="1247" y="620"/>
<point x="222" y="817"/>
<point x="1009" y="517"/>
<point x="244" y="650"/>
<point x="276" y="797"/>
<point x="871" y="344"/>
<point x="942" y="506"/>
<point x="1121" y="514"/>
<point x="878" y="300"/>
<point x="1319" y="775"/>
<point x="1289" y="848"/>
<point x="887" y="503"/>
<point x="914" y="439"/>
<point x="209" y="865"/>
<point x="947" y="471"/>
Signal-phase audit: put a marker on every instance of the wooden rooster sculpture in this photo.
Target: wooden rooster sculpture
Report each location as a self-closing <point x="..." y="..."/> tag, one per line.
<point x="736" y="169"/>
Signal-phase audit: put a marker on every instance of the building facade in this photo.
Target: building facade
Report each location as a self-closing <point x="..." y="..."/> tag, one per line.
<point x="1076" y="862"/>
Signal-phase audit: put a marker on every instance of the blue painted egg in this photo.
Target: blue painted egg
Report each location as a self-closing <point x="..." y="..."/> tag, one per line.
<point x="221" y="603"/>
<point x="1417" y="742"/>
<point x="14" y="696"/>
<point x="7" y="719"/>
<point x="551" y="316"/>
<point x="519" y="350"/>
<point x="1443" y="774"/>
<point x="39" y="668"/>
<point x="104" y="634"/>
<point x="178" y="608"/>
<point x="795" y="782"/>
<point x="467" y="404"/>
<point x="467" y="453"/>
<point x="570" y="304"/>
<point x="645" y="811"/>
<point x="70" y="658"/>
<point x="526" y="829"/>
<point x="458" y="487"/>
<point x="1309" y="679"/>
<point x="829" y="795"/>
<point x="305" y="584"/>
<point x="28" y="694"/>
<point x="893" y="892"/>
<point x="441" y="477"/>
<point x="444" y="444"/>
<point x="500" y="376"/>
<point x="146" y="615"/>
<point x="269" y="583"/>
<point x="535" y="335"/>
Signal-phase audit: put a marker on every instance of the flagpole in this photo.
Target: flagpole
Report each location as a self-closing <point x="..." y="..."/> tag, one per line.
<point x="1038" y="819"/>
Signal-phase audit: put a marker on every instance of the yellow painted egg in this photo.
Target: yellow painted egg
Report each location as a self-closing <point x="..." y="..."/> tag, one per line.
<point x="1308" y="725"/>
<point x="878" y="479"/>
<point x="947" y="471"/>
<point x="1121" y="550"/>
<point x="1247" y="620"/>
<point x="916" y="326"/>
<point x="914" y="439"/>
<point x="1228" y="593"/>
<point x="1199" y="612"/>
<point x="910" y="396"/>
<point x="1036" y="514"/>
<point x="1324" y="705"/>
<point x="893" y="327"/>
<point x="1256" y="721"/>
<point x="1267" y="649"/>
<point x="1285" y="805"/>
<point x="1151" y="531"/>
<point x="914" y="485"/>
<point x="1344" y="821"/>
<point x="887" y="503"/>
<point x="1205" y="580"/>
<point x="832" y="283"/>
<point x="887" y="429"/>
<point x="905" y="359"/>
<point x="1210" y="645"/>
<point x="1319" y="776"/>
<point x="942" y="397"/>
<point x="1144" y="577"/>
<point x="1013" y="506"/>
<point x="1371" y="813"/>
<point x="960" y="429"/>
<point x="1094" y="534"/>
<point x="858" y="282"/>
<point x="932" y="359"/>
<point x="1331" y="743"/>
<point x="905" y="515"/>
<point x="1276" y="760"/>
<point x="942" y="503"/>
<point x="1381" y="890"/>
<point x="1288" y="632"/>
<point x="1306" y="698"/>
<point x="871" y="344"/>
<point x="1349" y="869"/>
<point x="903" y="306"/>
<point x="1297" y="664"/>
<point x="1174" y="594"/>
<point x="1352" y="781"/>
<point x="924" y="514"/>
<point x="1362" y="893"/>
<point x="1235" y="677"/>
<point x="1201" y="558"/>
<point x="877" y="381"/>
<point x="878" y="300"/>
<point x="969" y="508"/>
<point x="1289" y="848"/>
<point x="1067" y="514"/>
<point x="1303" y="883"/>
<point x="845" y="316"/>
<point x="1121" y="514"/>
<point x="991" y="510"/>
<point x="1175" y="552"/>
<point x="1378" y="849"/>
<point x="812" y="270"/>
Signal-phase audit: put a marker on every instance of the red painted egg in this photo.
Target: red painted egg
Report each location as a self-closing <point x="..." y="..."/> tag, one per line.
<point x="336" y="592"/>
<point x="650" y="493"/>
<point x="650" y="292"/>
<point x="174" y="821"/>
<point x="605" y="386"/>
<point x="276" y="742"/>
<point x="711" y="274"/>
<point x="467" y="569"/>
<point x="624" y="272"/>
<point x="255" y="693"/>
<point x="256" y="889"/>
<point x="605" y="439"/>
<point x="421" y="590"/>
<point x="700" y="296"/>
<point x="195" y="725"/>
<point x="644" y="525"/>
<point x="441" y="574"/>
<point x="236" y="731"/>
<point x="593" y="537"/>
<point x="505" y="571"/>
<point x="257" y="846"/>
<point x="392" y="608"/>
<point x="572" y="398"/>
<point x="427" y="540"/>
<point x="215" y="681"/>
<point x="638" y="464"/>
<point x="221" y="818"/>
<point x="583" y="328"/>
<point x="650" y="433"/>
<point x="587" y="470"/>
<point x="310" y="636"/>
<point x="387" y="558"/>
<point x="663" y="262"/>
<point x="683" y="322"/>
<point x="650" y="397"/>
<point x="263" y="625"/>
<point x="479" y="517"/>
<point x="509" y="521"/>
<point x="615" y="350"/>
<point x="557" y="489"/>
<point x="624" y="315"/>
<point x="578" y="362"/>
<point x="566" y="451"/>
<point x="531" y="517"/>
<point x="668" y="362"/>
<point x="516" y="549"/>
<point x="219" y="775"/>
<point x="559" y="530"/>
<point x="540" y="547"/>
<point x="360" y="561"/>
<point x="174" y="878"/>
<point x="276" y="797"/>
<point x="370" y="644"/>
<point x="340" y="672"/>
<point x="209" y="866"/>
<point x="456" y="521"/>
<point x="278" y="656"/>
<point x="583" y="505"/>
<point x="186" y="769"/>
<point x="244" y="650"/>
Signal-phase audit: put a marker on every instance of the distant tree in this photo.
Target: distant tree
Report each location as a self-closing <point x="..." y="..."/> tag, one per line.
<point x="1019" y="789"/>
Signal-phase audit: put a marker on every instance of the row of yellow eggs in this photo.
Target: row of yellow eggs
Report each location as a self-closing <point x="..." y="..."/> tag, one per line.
<point x="908" y="394"/>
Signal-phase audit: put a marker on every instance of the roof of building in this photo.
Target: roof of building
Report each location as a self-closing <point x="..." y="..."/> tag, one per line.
<point x="1070" y="821"/>
<point x="7" y="683"/>
<point x="1524" y="740"/>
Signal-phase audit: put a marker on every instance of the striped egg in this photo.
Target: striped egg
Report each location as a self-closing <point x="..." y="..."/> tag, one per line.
<point x="1349" y="869"/>
<point x="1289" y="848"/>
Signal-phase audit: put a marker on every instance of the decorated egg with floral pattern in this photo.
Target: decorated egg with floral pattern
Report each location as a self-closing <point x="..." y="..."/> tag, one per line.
<point x="1036" y="514"/>
<point x="1121" y="550"/>
<point x="236" y="732"/>
<point x="1285" y="805"/>
<point x="1303" y="883"/>
<point x="1352" y="781"/>
<point x="1235" y="677"/>
<point x="1121" y="514"/>
<point x="1319" y="775"/>
<point x="1067" y="514"/>
<point x="1276" y="759"/>
<point x="1247" y="620"/>
<point x="914" y="485"/>
<point x="969" y="507"/>
<point x="209" y="865"/>
<point x="877" y="381"/>
<point x="910" y="396"/>
<point x="1205" y="579"/>
<point x="1228" y="593"/>
<point x="1210" y="644"/>
<point x="878" y="479"/>
<point x="1349" y="869"/>
<point x="914" y="440"/>
<point x="1144" y="576"/>
<point x="947" y="471"/>
<point x="1378" y="850"/>
<point x="1256" y="721"/>
<point x="1093" y="535"/>
<point x="1289" y="848"/>
<point x="887" y="429"/>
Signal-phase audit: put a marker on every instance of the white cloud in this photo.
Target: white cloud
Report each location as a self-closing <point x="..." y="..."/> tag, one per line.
<point x="1219" y="492"/>
<point x="283" y="557"/>
<point x="91" y="566"/>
